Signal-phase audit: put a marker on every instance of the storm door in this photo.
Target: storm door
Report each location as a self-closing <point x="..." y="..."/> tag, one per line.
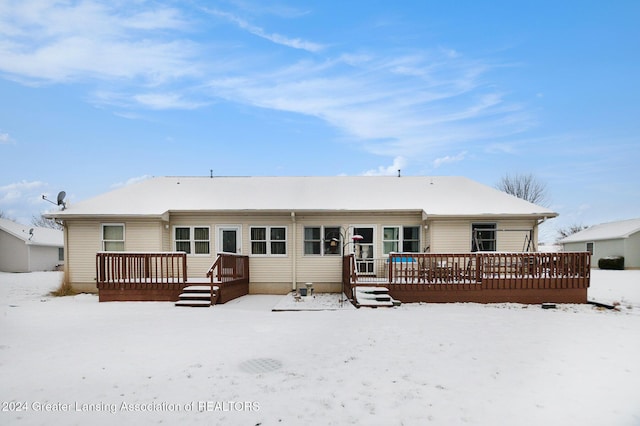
<point x="364" y="249"/>
<point x="229" y="239"/>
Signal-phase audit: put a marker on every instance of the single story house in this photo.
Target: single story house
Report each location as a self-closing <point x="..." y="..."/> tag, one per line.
<point x="28" y="248"/>
<point x="294" y="230"/>
<point x="620" y="238"/>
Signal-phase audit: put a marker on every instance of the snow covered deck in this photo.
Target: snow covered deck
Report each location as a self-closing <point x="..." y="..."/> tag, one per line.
<point x="475" y="277"/>
<point x="162" y="276"/>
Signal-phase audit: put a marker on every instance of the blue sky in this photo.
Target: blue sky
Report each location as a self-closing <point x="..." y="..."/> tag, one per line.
<point x="96" y="94"/>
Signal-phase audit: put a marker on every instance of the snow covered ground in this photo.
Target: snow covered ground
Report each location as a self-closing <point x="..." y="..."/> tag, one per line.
<point x="73" y="360"/>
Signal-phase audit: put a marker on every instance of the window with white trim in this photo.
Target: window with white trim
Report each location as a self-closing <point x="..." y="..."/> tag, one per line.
<point x="269" y="240"/>
<point x="113" y="237"/>
<point x="483" y="237"/>
<point x="192" y="239"/>
<point x="401" y="239"/>
<point x="322" y="240"/>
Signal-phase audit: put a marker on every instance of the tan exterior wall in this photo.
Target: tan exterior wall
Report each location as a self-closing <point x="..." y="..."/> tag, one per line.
<point x="273" y="274"/>
<point x="454" y="236"/>
<point x="450" y="236"/>
<point x="84" y="240"/>
<point x="325" y="272"/>
<point x="82" y="244"/>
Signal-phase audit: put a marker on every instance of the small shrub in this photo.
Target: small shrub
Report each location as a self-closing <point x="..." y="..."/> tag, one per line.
<point x="611" y="262"/>
<point x="64" y="289"/>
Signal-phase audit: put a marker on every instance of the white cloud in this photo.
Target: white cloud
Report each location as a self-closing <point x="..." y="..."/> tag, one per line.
<point x="392" y="170"/>
<point x="441" y="102"/>
<point x="5" y="139"/>
<point x="449" y="159"/>
<point x="295" y="43"/>
<point x="15" y="190"/>
<point x="166" y="101"/>
<point x="140" y="57"/>
<point x="17" y="200"/>
<point x="57" y="42"/>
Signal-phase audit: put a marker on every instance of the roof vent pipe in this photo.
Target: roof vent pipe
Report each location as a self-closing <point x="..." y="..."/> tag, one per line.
<point x="398" y="172"/>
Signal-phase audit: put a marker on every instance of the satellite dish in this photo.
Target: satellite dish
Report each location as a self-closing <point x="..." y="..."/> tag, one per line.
<point x="61" y="202"/>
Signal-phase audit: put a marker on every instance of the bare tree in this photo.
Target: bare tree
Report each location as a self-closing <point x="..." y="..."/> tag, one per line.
<point x="570" y="230"/>
<point x="43" y="222"/>
<point x="524" y="186"/>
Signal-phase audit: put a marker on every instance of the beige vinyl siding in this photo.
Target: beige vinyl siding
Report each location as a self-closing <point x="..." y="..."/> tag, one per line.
<point x="264" y="269"/>
<point x="328" y="269"/>
<point x="85" y="240"/>
<point x="269" y="269"/>
<point x="454" y="236"/>
<point x="512" y="234"/>
<point x="143" y="236"/>
<point x="450" y="236"/>
<point x="197" y="264"/>
<point x="274" y="274"/>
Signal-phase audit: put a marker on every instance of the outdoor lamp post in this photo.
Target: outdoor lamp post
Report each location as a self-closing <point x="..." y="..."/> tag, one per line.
<point x="334" y="242"/>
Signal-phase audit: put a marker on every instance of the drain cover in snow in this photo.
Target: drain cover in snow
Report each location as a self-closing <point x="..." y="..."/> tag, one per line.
<point x="260" y="365"/>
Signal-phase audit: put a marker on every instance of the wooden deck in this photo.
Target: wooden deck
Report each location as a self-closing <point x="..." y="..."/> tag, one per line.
<point x="475" y="277"/>
<point x="162" y="276"/>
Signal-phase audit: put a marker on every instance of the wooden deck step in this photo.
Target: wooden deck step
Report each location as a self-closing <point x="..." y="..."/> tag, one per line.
<point x="194" y="303"/>
<point x="198" y="296"/>
<point x="195" y="296"/>
<point x="372" y="296"/>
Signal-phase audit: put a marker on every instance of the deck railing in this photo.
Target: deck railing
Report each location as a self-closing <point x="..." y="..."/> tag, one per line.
<point x="133" y="267"/>
<point x="474" y="277"/>
<point x="230" y="272"/>
<point x="468" y="268"/>
<point x="229" y="267"/>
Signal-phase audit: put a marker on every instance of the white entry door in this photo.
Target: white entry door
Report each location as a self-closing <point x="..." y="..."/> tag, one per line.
<point x="229" y="239"/>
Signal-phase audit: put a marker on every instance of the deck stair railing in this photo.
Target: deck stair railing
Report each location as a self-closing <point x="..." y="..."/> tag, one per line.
<point x="230" y="274"/>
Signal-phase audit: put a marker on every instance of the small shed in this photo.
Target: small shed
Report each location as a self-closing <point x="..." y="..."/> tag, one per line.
<point x="621" y="238"/>
<point x="29" y="248"/>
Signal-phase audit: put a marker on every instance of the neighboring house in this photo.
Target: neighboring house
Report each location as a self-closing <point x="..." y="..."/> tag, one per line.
<point x="27" y="248"/>
<point x="295" y="229"/>
<point x="621" y="238"/>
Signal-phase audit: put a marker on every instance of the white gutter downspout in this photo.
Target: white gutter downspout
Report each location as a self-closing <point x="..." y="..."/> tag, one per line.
<point x="537" y="231"/>
<point x="294" y="256"/>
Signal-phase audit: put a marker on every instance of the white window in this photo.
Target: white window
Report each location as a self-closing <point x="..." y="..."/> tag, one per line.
<point x="483" y="237"/>
<point x="269" y="240"/>
<point x="113" y="237"/>
<point x="401" y="239"/>
<point x="60" y="254"/>
<point x="192" y="239"/>
<point x="322" y="240"/>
